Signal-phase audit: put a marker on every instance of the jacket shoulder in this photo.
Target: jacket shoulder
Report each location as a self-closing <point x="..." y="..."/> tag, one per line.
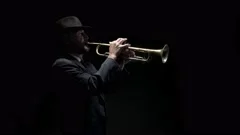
<point x="62" y="62"/>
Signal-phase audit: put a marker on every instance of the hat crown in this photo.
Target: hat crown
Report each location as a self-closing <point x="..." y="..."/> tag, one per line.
<point x="69" y="22"/>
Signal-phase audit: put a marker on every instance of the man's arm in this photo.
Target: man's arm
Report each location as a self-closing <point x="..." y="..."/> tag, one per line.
<point x="93" y="83"/>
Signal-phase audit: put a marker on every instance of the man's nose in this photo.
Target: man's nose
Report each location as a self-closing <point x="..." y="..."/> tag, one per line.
<point x="86" y="36"/>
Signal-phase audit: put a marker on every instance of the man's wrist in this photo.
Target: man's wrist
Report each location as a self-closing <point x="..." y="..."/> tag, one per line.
<point x="112" y="56"/>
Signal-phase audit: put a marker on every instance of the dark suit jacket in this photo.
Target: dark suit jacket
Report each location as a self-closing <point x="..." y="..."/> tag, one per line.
<point x="76" y="102"/>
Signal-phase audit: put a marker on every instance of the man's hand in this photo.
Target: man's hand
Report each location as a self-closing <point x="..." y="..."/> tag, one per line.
<point x="120" y="52"/>
<point x="124" y="57"/>
<point x="117" y="47"/>
<point x="126" y="54"/>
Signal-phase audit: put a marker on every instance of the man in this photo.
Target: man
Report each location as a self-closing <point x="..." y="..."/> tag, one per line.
<point x="78" y="105"/>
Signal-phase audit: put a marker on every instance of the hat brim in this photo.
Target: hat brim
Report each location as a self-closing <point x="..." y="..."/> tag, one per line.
<point x="74" y="29"/>
<point x="79" y="28"/>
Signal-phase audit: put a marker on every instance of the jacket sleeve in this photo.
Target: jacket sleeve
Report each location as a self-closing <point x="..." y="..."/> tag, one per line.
<point x="107" y="73"/>
<point x="119" y="81"/>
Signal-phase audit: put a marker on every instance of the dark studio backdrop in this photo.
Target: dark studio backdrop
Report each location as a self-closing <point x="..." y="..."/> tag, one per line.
<point x="146" y="104"/>
<point x="196" y="91"/>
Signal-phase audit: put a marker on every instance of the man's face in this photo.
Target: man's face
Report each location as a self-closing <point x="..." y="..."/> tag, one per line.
<point x="79" y="40"/>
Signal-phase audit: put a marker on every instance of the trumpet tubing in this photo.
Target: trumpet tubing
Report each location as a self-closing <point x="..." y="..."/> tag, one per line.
<point x="164" y="52"/>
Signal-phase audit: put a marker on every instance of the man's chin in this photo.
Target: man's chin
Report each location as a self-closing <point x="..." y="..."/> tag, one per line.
<point x="86" y="48"/>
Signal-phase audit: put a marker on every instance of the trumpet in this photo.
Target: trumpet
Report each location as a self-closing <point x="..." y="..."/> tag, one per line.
<point x="164" y="52"/>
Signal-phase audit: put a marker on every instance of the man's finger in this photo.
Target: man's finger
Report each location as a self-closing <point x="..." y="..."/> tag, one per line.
<point x="122" y="40"/>
<point x="125" y="57"/>
<point x="118" y="39"/>
<point x="131" y="53"/>
<point x="125" y="46"/>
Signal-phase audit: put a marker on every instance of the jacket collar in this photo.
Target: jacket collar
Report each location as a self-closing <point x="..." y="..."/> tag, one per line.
<point x="78" y="57"/>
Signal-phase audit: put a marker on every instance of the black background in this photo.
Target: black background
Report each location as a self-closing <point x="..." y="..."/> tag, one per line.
<point x="196" y="91"/>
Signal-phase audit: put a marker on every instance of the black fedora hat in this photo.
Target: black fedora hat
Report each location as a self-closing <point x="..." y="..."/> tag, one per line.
<point x="70" y="23"/>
